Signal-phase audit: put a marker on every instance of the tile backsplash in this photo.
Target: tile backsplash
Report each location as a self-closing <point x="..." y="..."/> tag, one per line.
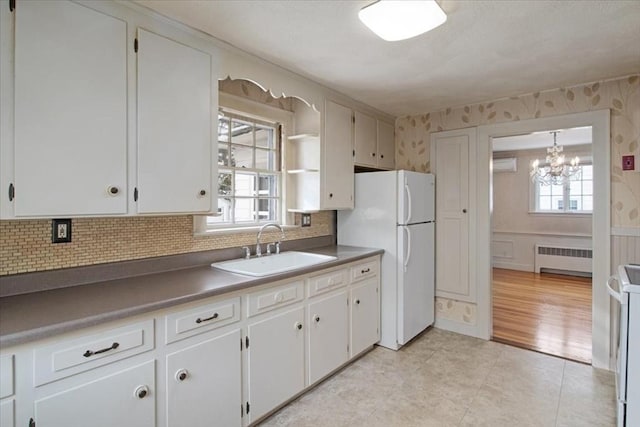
<point x="25" y="245"/>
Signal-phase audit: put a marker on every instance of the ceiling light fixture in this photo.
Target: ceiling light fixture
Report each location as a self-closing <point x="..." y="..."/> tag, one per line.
<point x="394" y="20"/>
<point x="555" y="171"/>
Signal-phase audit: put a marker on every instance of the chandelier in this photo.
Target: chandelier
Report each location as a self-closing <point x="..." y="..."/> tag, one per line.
<point x="554" y="171"/>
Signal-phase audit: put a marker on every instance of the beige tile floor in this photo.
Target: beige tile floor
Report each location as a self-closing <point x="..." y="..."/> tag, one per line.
<point x="445" y="379"/>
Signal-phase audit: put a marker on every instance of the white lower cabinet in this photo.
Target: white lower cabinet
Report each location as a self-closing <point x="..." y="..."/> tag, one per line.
<point x="365" y="312"/>
<point x="124" y="399"/>
<point x="204" y="383"/>
<point x="328" y="327"/>
<point x="223" y="361"/>
<point x="275" y="361"/>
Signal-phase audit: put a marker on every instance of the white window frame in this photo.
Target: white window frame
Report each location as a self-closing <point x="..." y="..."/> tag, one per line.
<point x="534" y="197"/>
<point x="239" y="106"/>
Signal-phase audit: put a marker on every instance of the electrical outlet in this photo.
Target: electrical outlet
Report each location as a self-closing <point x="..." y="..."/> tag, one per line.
<point x="60" y="231"/>
<point x="306" y="220"/>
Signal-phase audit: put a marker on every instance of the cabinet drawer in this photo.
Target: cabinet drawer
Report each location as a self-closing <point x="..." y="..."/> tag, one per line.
<point x="327" y="282"/>
<point x="273" y="298"/>
<point x="6" y="375"/>
<point x="206" y="317"/>
<point x="76" y="355"/>
<point x="364" y="270"/>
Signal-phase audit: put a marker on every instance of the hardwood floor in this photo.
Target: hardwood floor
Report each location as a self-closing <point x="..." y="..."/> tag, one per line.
<point x="548" y="313"/>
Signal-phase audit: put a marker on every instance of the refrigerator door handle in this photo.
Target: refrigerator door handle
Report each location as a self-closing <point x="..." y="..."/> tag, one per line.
<point x="408" y="191"/>
<point x="408" y="255"/>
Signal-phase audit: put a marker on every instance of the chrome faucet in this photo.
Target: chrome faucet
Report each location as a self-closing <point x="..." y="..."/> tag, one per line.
<point x="270" y="224"/>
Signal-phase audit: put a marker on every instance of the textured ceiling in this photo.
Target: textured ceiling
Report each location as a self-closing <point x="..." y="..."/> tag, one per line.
<point x="486" y="50"/>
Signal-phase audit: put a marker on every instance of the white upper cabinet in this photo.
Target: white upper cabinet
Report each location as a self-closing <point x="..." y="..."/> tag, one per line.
<point x="386" y="145"/>
<point x="337" y="173"/>
<point x="70" y="128"/>
<point x="175" y="166"/>
<point x="365" y="139"/>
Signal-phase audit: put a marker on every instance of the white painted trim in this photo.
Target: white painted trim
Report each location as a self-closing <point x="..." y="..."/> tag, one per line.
<point x="600" y="122"/>
<point x="513" y="265"/>
<point x="457" y="327"/>
<point x="542" y="233"/>
<point x="625" y="231"/>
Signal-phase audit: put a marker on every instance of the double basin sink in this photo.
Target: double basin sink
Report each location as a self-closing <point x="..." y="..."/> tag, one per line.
<point x="272" y="264"/>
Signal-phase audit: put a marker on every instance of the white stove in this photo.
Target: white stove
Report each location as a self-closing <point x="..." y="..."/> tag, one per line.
<point x="628" y="355"/>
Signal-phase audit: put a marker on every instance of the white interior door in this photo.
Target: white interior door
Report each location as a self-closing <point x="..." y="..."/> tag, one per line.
<point x="415" y="280"/>
<point x="451" y="164"/>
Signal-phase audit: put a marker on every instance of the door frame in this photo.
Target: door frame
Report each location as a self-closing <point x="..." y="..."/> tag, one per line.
<point x="601" y="219"/>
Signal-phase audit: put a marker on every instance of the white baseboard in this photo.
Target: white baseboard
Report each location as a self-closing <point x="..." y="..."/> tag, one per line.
<point x="513" y="266"/>
<point x="460" y="328"/>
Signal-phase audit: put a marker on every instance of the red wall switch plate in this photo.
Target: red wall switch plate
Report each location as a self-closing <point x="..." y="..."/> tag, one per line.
<point x="628" y="163"/>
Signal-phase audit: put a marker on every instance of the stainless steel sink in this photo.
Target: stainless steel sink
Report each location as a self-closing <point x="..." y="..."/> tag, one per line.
<point x="272" y="264"/>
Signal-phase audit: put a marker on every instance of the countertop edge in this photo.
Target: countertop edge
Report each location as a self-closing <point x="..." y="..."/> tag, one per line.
<point x="30" y="335"/>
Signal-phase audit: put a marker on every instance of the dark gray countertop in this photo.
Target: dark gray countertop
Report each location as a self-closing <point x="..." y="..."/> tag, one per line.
<point x="33" y="316"/>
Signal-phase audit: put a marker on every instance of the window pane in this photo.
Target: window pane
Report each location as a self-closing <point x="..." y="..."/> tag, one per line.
<point x="575" y="188"/>
<point x="265" y="159"/>
<point x="244" y="210"/>
<point x="223" y="154"/>
<point x="268" y="185"/>
<point x="241" y="156"/>
<point x="545" y="204"/>
<point x="241" y="132"/>
<point x="587" y="203"/>
<point x="544" y="190"/>
<point x="224" y="183"/>
<point x="265" y="137"/>
<point x="267" y="210"/>
<point x="245" y="184"/>
<point x="574" y="204"/>
<point x="557" y="203"/>
<point x="557" y="190"/>
<point x="224" y="212"/>
<point x="223" y="129"/>
<point x="587" y="187"/>
<point x="587" y="172"/>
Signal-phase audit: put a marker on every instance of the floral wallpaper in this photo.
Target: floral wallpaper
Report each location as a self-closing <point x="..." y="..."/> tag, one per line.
<point x="621" y="96"/>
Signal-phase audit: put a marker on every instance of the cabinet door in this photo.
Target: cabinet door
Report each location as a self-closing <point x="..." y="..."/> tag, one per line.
<point x="328" y="335"/>
<point x="275" y="360"/>
<point x="386" y="146"/>
<point x="365" y="309"/>
<point x="337" y="167"/>
<point x="124" y="399"/>
<point x="203" y="383"/>
<point x="365" y="139"/>
<point x="174" y="126"/>
<point x="70" y="110"/>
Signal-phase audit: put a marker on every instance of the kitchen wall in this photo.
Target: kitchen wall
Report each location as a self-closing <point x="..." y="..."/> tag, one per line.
<point x="621" y="96"/>
<point x="25" y="245"/>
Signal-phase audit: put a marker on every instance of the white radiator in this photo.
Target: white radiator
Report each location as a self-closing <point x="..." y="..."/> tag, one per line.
<point x="563" y="258"/>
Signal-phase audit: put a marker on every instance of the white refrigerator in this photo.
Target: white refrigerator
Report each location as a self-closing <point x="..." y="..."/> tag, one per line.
<point x="394" y="211"/>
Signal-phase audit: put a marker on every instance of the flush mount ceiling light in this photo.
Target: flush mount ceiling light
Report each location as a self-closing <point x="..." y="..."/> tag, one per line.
<point x="394" y="20"/>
